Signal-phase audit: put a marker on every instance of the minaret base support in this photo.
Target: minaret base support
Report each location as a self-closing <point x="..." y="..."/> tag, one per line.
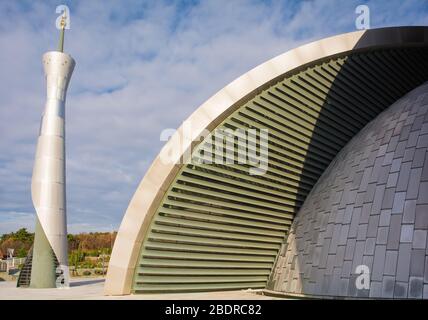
<point x="43" y="272"/>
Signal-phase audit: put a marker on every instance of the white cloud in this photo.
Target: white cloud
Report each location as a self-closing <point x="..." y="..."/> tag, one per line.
<point x="141" y="67"/>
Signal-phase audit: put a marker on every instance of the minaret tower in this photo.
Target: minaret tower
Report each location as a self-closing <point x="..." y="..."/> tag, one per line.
<point x="50" y="261"/>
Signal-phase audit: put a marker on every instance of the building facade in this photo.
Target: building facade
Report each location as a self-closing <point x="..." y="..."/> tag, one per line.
<point x="329" y="108"/>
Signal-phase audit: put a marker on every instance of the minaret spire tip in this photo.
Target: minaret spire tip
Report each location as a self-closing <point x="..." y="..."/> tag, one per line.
<point x="63" y="24"/>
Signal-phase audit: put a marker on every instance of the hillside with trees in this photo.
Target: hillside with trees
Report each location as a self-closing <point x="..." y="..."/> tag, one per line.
<point x="87" y="244"/>
<point x="21" y="241"/>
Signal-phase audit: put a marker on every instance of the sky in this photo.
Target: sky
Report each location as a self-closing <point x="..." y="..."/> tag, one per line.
<point x="142" y="67"/>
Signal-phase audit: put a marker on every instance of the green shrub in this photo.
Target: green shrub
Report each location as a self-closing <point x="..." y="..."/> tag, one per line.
<point x="87" y="273"/>
<point x="87" y="264"/>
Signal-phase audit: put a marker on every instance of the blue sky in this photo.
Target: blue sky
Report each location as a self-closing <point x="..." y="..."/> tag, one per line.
<point x="142" y="66"/>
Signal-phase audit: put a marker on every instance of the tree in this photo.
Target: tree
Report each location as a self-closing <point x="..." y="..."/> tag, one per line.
<point x="20" y="241"/>
<point x="23" y="235"/>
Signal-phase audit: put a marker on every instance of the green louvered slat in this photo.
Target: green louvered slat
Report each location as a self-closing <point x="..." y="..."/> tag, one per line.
<point x="355" y="80"/>
<point x="200" y="272"/>
<point x="307" y="106"/>
<point x="274" y="160"/>
<point x="235" y="189"/>
<point x="209" y="225"/>
<point x="159" y="254"/>
<point x="242" y="184"/>
<point x="336" y="104"/>
<point x="291" y="113"/>
<point x="339" y="103"/>
<point x="230" y="205"/>
<point x="229" y="243"/>
<point x="293" y="144"/>
<point x="371" y="69"/>
<point x="415" y="73"/>
<point x="303" y="132"/>
<point x="198" y="248"/>
<point x="341" y="97"/>
<point x="226" y="220"/>
<point x="277" y="155"/>
<point x="313" y="104"/>
<point x="204" y="264"/>
<point x="354" y="66"/>
<point x="287" y="178"/>
<point x="215" y="234"/>
<point x="361" y="106"/>
<point x="198" y="279"/>
<point x="227" y="212"/>
<point x="408" y="73"/>
<point x="153" y="288"/>
<point x="220" y="228"/>
<point x="241" y="198"/>
<point x="228" y="174"/>
<point x="420" y="58"/>
<point x="386" y="72"/>
<point x="286" y="134"/>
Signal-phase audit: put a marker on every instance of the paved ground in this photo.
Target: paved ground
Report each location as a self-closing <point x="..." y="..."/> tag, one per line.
<point x="92" y="289"/>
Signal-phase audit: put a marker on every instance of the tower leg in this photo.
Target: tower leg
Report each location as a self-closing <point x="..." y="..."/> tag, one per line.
<point x="43" y="267"/>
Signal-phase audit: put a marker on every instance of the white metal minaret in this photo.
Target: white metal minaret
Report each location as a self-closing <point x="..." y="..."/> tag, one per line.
<point x="50" y="260"/>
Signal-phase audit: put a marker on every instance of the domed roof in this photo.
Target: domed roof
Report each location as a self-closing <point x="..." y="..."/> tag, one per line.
<point x="369" y="208"/>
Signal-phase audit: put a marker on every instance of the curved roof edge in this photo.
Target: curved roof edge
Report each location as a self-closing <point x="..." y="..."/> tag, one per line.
<point x="156" y="181"/>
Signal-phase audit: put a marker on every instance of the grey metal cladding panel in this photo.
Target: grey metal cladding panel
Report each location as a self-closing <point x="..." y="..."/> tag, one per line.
<point x="426" y="270"/>
<point x="362" y="232"/>
<point x="388" y="198"/>
<point x="403" y="265"/>
<point x="415" y="178"/>
<point x="392" y="179"/>
<point x="398" y="205"/>
<point x="409" y="211"/>
<point x="365" y="213"/>
<point x="419" y="157"/>
<point x="408" y="154"/>
<point x="417" y="262"/>
<point x="391" y="259"/>
<point x="387" y="228"/>
<point x="404" y="176"/>
<point x="396" y="164"/>
<point x="373" y="226"/>
<point x="385" y="218"/>
<point x="388" y="284"/>
<point x="379" y="262"/>
<point x="394" y="232"/>
<point x="420" y="239"/>
<point x="423" y="193"/>
<point x="350" y="247"/>
<point x="375" y="289"/>
<point x="382" y="235"/>
<point x="421" y="216"/>
<point x="400" y="290"/>
<point x="406" y="235"/>
<point x="416" y="287"/>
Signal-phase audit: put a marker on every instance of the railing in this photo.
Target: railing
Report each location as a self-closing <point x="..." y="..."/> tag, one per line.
<point x="6" y="265"/>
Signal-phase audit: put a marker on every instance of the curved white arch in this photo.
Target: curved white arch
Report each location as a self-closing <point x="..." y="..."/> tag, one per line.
<point x="155" y="183"/>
